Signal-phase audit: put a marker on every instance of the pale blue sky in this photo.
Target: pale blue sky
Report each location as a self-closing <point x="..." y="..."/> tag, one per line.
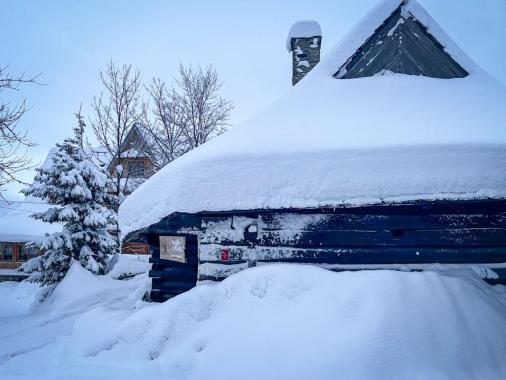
<point x="69" y="42"/>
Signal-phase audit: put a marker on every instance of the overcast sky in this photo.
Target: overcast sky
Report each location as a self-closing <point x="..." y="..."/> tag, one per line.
<point x="69" y="42"/>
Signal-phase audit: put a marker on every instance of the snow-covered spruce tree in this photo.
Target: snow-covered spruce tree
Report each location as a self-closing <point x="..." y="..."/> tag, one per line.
<point x="77" y="188"/>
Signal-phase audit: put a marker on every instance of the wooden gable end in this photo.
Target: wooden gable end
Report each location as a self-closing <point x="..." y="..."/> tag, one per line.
<point x="401" y="45"/>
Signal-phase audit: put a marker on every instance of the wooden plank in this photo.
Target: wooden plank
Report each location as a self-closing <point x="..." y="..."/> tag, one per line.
<point x="337" y="222"/>
<point x="361" y="255"/>
<point x="471" y="237"/>
<point x="135" y="248"/>
<point x="477" y="207"/>
<point x="174" y="273"/>
<point x="164" y="285"/>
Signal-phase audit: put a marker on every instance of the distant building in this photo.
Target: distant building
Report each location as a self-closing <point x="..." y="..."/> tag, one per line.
<point x="137" y="161"/>
<point x="17" y="228"/>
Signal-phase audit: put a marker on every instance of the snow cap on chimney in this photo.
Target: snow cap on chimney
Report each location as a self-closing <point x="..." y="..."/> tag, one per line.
<point x="304" y="42"/>
<point x="303" y="29"/>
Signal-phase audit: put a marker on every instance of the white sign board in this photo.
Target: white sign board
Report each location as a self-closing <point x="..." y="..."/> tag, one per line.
<point x="173" y="248"/>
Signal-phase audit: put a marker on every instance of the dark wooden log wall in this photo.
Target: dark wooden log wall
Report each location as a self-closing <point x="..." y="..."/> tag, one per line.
<point x="223" y="243"/>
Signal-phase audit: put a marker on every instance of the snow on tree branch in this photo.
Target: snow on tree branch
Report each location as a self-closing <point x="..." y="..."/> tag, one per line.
<point x="78" y="189"/>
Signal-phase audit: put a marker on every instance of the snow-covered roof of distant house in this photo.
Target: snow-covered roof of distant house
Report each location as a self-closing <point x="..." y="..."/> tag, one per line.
<point x="301" y="29"/>
<point x="16" y="224"/>
<point x="338" y="142"/>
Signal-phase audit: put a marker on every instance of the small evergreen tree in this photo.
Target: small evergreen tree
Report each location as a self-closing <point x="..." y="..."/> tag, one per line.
<point x="77" y="188"/>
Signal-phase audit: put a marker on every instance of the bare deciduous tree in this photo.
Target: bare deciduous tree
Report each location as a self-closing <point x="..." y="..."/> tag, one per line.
<point x="206" y="114"/>
<point x="189" y="115"/>
<point x="166" y="131"/>
<point x="117" y="110"/>
<point x="13" y="141"/>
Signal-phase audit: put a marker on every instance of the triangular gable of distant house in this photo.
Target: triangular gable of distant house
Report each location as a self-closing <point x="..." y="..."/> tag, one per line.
<point x="402" y="45"/>
<point x="136" y="140"/>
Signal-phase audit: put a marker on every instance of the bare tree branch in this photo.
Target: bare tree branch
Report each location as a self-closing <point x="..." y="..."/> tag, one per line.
<point x="14" y="142"/>
<point x="116" y="111"/>
<point x="187" y="116"/>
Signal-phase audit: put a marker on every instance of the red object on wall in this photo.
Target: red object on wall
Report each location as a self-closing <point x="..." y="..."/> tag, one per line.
<point x="224" y="254"/>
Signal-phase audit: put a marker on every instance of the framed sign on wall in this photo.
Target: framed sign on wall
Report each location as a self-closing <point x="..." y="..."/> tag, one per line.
<point x="173" y="248"/>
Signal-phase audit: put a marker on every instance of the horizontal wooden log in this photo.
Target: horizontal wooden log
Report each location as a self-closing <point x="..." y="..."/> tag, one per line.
<point x="170" y="264"/>
<point x="158" y="296"/>
<point x="172" y="285"/>
<point x="174" y="273"/>
<point x="357" y="255"/>
<point x="337" y="222"/>
<point x="469" y="237"/>
<point x="422" y="207"/>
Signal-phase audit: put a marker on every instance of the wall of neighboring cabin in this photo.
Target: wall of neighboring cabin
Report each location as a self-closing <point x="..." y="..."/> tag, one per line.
<point x="135" y="248"/>
<point x="131" y="167"/>
<point x="14" y="254"/>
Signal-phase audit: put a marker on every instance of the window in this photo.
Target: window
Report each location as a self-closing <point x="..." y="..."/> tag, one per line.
<point x="6" y="251"/>
<point x="136" y="168"/>
<point x="26" y="253"/>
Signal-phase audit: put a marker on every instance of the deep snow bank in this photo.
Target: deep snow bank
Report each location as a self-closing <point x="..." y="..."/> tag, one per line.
<point x="271" y="322"/>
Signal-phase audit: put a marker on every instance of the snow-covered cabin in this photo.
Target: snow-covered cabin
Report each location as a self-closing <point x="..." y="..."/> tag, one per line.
<point x="390" y="153"/>
<point x="17" y="229"/>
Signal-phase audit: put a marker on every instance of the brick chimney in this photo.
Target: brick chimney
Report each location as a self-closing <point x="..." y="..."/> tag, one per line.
<point x="304" y="42"/>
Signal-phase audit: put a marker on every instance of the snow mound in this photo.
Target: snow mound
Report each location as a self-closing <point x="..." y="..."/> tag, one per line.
<point x="296" y="322"/>
<point x="301" y="29"/>
<point x="270" y="322"/>
<point x="129" y="265"/>
<point x="81" y="288"/>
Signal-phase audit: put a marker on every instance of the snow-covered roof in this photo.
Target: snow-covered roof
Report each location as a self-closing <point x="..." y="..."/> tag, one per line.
<point x="302" y="29"/>
<point x="16" y="224"/>
<point x="332" y="142"/>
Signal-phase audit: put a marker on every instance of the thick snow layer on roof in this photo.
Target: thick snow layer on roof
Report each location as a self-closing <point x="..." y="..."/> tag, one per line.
<point x="303" y="28"/>
<point x="272" y="322"/>
<point x="16" y="224"/>
<point x="331" y="142"/>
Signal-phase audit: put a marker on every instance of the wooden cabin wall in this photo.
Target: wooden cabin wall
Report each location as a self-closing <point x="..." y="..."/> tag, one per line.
<point x="15" y="261"/>
<point x="455" y="233"/>
<point x="220" y="244"/>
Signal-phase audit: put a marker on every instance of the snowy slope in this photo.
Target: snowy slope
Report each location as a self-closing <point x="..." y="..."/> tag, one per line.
<point x="321" y="143"/>
<point x="272" y="322"/>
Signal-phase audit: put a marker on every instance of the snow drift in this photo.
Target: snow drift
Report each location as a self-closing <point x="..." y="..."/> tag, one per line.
<point x="332" y="142"/>
<point x="271" y="322"/>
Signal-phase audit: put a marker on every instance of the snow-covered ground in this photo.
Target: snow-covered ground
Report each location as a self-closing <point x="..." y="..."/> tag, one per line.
<point x="271" y="322"/>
